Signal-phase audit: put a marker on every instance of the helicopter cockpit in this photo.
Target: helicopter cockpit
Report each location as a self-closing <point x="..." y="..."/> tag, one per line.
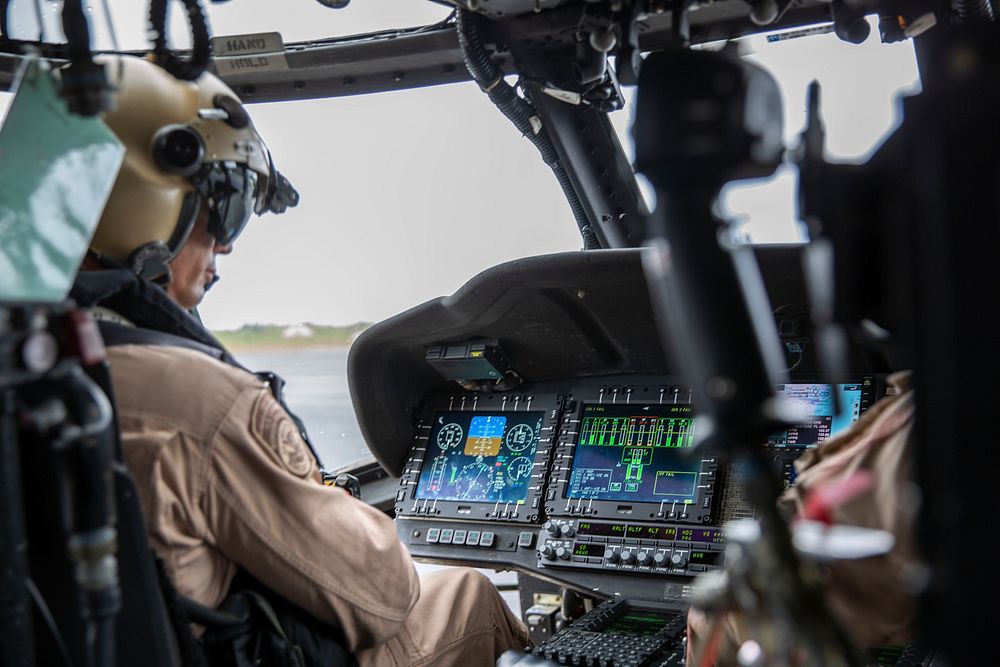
<point x="614" y="414"/>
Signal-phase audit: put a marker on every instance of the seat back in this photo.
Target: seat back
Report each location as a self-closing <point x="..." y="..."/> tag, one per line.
<point x="68" y="622"/>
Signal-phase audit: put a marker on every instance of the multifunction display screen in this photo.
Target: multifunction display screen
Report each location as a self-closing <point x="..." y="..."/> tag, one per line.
<point x="640" y="453"/>
<point x="480" y="457"/>
<point x="817" y="401"/>
<point x="636" y="623"/>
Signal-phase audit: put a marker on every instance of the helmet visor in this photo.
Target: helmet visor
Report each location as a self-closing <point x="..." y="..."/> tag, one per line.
<point x="231" y="191"/>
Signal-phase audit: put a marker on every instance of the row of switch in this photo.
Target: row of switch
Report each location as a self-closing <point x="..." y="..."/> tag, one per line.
<point x="676" y="559"/>
<point x="473" y="538"/>
<point x="469" y="538"/>
<point x="425" y="508"/>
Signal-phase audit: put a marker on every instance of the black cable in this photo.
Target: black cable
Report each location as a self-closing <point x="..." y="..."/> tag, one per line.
<point x="40" y="18"/>
<point x="50" y="623"/>
<point x="575" y="205"/>
<point x="187" y="70"/>
<point x="489" y="76"/>
<point x="77" y="31"/>
<point x="83" y="83"/>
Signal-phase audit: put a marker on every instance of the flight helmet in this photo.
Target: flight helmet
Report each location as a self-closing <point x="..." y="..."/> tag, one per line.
<point x="188" y="145"/>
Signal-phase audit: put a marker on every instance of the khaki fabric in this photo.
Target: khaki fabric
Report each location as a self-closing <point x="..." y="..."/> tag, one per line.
<point x="459" y="621"/>
<point x="869" y="597"/>
<point x="226" y="481"/>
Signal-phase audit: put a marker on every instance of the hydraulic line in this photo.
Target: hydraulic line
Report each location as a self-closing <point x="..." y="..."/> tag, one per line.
<point x="489" y="76"/>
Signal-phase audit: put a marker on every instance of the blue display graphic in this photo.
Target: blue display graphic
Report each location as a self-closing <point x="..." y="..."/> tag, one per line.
<point x="639" y="453"/>
<point x="817" y="401"/>
<point x="485" y="458"/>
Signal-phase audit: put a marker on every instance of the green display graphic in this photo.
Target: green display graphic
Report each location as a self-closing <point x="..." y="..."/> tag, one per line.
<point x="640" y="453"/>
<point x="56" y="173"/>
<point x="639" y="624"/>
<point x="635" y="433"/>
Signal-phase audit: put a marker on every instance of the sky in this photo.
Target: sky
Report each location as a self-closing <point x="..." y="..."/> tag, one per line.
<point x="407" y="195"/>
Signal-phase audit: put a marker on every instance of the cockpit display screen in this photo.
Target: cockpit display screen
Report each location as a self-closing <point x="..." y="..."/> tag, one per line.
<point x="639" y="623"/>
<point x="817" y="402"/>
<point x="635" y="452"/>
<point x="480" y="457"/>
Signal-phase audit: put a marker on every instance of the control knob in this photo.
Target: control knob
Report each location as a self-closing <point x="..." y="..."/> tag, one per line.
<point x="678" y="560"/>
<point x="645" y="558"/>
<point x="551" y="528"/>
<point x="563" y="552"/>
<point x="548" y="553"/>
<point x="628" y="558"/>
<point x="660" y="559"/>
<point x="568" y="530"/>
<point x="614" y="556"/>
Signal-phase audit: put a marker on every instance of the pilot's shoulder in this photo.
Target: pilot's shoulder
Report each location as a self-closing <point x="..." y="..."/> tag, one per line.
<point x="172" y="360"/>
<point x="175" y="380"/>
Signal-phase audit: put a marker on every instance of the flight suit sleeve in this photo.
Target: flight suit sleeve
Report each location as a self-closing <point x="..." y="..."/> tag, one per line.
<point x="871" y="596"/>
<point x="324" y="550"/>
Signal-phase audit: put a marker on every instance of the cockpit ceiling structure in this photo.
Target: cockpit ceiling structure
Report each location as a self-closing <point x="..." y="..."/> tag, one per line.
<point x="430" y="55"/>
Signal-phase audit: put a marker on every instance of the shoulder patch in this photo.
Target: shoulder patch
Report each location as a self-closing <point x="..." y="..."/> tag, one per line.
<point x="275" y="428"/>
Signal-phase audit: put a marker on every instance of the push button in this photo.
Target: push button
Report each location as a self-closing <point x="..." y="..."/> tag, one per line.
<point x="472" y="539"/>
<point x="446" y="535"/>
<point x="459" y="537"/>
<point x="526" y="539"/>
<point x="432" y="535"/>
<point x="487" y="539"/>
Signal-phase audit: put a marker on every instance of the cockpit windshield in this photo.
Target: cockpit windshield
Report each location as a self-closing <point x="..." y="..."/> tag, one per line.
<point x="858" y="113"/>
<point x="406" y="195"/>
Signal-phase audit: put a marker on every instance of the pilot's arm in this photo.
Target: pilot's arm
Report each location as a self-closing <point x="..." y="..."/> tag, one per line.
<point x="870" y="597"/>
<point x="266" y="509"/>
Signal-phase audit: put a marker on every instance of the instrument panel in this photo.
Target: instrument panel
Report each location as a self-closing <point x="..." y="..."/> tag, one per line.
<point x="596" y="486"/>
<point x="621" y="457"/>
<point x="480" y="457"/>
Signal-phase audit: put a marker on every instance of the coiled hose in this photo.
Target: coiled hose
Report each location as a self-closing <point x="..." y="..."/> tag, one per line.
<point x="488" y="75"/>
<point x="186" y="70"/>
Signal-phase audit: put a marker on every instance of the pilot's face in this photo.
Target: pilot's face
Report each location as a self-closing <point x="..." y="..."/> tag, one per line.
<point x="193" y="269"/>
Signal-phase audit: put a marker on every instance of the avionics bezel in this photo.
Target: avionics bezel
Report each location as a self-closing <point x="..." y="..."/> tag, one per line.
<point x="556" y="502"/>
<point x="407" y="504"/>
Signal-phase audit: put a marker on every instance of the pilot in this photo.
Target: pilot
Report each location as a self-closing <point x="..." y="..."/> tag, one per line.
<point x="228" y="483"/>
<point x="861" y="477"/>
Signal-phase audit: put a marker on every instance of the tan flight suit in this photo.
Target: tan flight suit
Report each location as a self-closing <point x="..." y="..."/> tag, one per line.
<point x="226" y="481"/>
<point x="873" y="598"/>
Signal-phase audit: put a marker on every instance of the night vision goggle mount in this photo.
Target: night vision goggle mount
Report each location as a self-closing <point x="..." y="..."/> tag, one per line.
<point x="232" y="190"/>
